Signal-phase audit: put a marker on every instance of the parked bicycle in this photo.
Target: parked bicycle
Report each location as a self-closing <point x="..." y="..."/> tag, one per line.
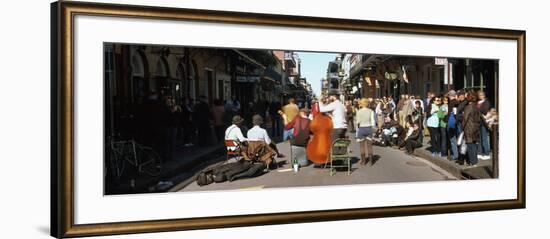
<point x="125" y="153"/>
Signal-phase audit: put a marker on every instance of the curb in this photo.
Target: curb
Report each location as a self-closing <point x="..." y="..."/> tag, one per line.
<point x="447" y="165"/>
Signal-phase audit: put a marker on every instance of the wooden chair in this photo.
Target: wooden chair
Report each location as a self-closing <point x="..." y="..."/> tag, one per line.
<point x="339" y="152"/>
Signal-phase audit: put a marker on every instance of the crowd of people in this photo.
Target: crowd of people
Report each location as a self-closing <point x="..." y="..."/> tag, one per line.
<point x="458" y="123"/>
<point x="166" y="124"/>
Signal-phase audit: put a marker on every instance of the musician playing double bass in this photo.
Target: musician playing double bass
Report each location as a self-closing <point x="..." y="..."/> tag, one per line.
<point x="336" y="108"/>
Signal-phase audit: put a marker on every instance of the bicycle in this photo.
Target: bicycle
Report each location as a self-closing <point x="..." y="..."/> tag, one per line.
<point x="143" y="158"/>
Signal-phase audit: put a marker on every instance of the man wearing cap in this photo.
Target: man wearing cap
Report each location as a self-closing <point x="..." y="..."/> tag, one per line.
<point x="233" y="132"/>
<point x="338" y="112"/>
<point x="257" y="133"/>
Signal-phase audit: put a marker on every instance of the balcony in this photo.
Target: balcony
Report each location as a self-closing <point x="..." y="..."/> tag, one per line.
<point x="290" y="59"/>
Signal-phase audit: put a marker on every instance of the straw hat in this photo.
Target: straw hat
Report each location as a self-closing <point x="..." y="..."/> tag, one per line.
<point x="237" y="119"/>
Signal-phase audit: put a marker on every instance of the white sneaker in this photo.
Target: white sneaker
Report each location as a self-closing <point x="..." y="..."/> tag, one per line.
<point x="486" y="157"/>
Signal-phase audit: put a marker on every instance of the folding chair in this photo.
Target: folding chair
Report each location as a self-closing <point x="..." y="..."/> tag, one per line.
<point x="233" y="148"/>
<point x="339" y="152"/>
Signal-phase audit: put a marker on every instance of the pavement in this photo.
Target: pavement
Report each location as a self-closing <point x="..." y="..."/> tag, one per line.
<point x="483" y="170"/>
<point x="390" y="166"/>
<point x="187" y="161"/>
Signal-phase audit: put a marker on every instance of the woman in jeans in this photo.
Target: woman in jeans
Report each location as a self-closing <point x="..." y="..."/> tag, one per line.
<point x="471" y="122"/>
<point x="365" y="129"/>
<point x="432" y="122"/>
<point x="442" y="113"/>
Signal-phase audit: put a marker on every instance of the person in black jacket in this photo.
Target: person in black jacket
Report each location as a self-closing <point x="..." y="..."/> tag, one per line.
<point x="202" y="117"/>
<point x="414" y="140"/>
<point x="484" y="106"/>
<point x="471" y="121"/>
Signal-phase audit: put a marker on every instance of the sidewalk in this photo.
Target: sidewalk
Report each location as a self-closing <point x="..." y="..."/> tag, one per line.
<point x="484" y="170"/>
<point x="186" y="158"/>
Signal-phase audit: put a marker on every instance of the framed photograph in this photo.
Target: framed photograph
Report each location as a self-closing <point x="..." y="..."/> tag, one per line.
<point x="170" y="119"/>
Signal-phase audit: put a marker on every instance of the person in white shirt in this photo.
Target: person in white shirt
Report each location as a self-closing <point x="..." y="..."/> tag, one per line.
<point x="257" y="133"/>
<point x="338" y="112"/>
<point x="233" y="132"/>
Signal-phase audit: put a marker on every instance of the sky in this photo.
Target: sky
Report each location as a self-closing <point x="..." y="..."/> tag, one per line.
<point x="314" y="67"/>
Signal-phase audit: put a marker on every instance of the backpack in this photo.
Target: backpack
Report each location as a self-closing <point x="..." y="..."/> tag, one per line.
<point x="451" y="122"/>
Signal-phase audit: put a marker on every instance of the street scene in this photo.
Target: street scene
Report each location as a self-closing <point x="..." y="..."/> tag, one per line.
<point x="203" y="119"/>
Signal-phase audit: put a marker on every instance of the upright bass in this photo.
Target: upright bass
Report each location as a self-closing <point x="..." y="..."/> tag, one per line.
<point x="319" y="146"/>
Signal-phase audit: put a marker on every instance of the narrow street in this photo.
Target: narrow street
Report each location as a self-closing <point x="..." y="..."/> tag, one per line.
<point x="391" y="166"/>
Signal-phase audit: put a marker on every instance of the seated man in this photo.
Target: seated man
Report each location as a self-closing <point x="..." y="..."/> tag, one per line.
<point x="257" y="133"/>
<point x="301" y="135"/>
<point x="414" y="140"/>
<point x="259" y="143"/>
<point x="233" y="132"/>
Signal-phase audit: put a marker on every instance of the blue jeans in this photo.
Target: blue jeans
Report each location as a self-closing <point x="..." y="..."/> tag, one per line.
<point x="472" y="153"/>
<point x="483" y="146"/>
<point x="287" y="134"/>
<point x="454" y="143"/>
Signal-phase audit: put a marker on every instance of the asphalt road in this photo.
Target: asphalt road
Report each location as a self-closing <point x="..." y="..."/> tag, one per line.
<point x="392" y="165"/>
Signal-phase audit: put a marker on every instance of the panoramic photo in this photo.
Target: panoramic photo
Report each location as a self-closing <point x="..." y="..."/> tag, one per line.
<point x="187" y="118"/>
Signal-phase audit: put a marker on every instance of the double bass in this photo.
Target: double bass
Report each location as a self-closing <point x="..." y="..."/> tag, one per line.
<point x="318" y="147"/>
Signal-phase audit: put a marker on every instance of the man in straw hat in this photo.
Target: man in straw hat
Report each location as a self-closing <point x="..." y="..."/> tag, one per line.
<point x="233" y="132"/>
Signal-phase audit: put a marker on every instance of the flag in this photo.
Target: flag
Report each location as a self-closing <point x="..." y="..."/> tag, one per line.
<point x="405" y="74"/>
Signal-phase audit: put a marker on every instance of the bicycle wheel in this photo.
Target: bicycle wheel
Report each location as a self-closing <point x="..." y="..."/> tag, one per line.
<point x="150" y="162"/>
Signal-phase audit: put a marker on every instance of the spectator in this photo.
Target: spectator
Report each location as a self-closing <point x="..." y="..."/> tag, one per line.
<point x="414" y="140"/>
<point x="365" y="130"/>
<point x="406" y="110"/>
<point x="232" y="107"/>
<point x="149" y="122"/>
<point x="276" y="127"/>
<point x="249" y="111"/>
<point x="442" y="115"/>
<point x="290" y="111"/>
<point x="432" y="122"/>
<point x="452" y="124"/>
<point x="218" y="115"/>
<point x="172" y="116"/>
<point x="418" y="114"/>
<point x="187" y="123"/>
<point x="471" y="122"/>
<point x="350" y="112"/>
<point x="483" y="106"/>
<point x="202" y="118"/>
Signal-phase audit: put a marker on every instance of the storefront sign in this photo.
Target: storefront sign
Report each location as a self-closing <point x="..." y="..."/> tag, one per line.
<point x="440" y="61"/>
<point x="248" y="79"/>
